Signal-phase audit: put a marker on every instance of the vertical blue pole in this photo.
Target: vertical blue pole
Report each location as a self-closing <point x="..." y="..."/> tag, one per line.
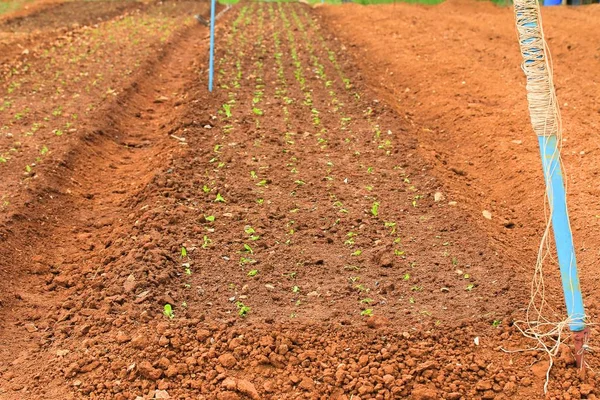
<point x="555" y="190"/>
<point x="212" y="46"/>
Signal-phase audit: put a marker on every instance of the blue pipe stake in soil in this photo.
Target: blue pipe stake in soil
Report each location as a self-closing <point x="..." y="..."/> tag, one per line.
<point x="211" y="68"/>
<point x="555" y="190"/>
<point x="535" y="67"/>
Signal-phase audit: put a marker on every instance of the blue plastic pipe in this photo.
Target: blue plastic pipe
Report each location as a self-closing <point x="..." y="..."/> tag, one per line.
<point x="211" y="67"/>
<point x="555" y="190"/>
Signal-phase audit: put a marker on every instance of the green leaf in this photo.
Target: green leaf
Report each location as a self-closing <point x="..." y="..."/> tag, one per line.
<point x="219" y="199"/>
<point x="210" y="218"/>
<point x="375" y="209"/>
<point x="168" y="311"/>
<point x="253" y="272"/>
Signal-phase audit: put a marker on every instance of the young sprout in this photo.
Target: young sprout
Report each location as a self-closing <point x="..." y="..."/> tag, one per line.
<point x="210" y="218"/>
<point x="243" y="310"/>
<point x="183" y="252"/>
<point x="248" y="249"/>
<point x="187" y="268"/>
<point x="375" y="209"/>
<point x="367" y="313"/>
<point x="168" y="311"/>
<point x="219" y="198"/>
<point x="252" y="273"/>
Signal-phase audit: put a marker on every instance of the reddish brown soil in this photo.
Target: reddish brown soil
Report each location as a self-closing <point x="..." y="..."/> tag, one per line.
<point x="67" y="14"/>
<point x="454" y="72"/>
<point x="92" y="237"/>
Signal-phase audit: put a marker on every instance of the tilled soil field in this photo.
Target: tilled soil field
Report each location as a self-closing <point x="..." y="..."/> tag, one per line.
<point x="285" y="236"/>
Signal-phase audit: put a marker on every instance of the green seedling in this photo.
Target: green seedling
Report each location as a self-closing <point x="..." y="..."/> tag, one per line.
<point x="168" y="311"/>
<point x="245" y="260"/>
<point x="367" y="313"/>
<point x="496" y="323"/>
<point x="366" y="301"/>
<point x="210" y="218"/>
<point x="362" y="288"/>
<point x="296" y="289"/>
<point x="187" y="269"/>
<point x="227" y="110"/>
<point x="291" y="275"/>
<point x="253" y="175"/>
<point x="219" y="199"/>
<point x="205" y="189"/>
<point x="406" y="277"/>
<point x="207" y="242"/>
<point x="184" y="252"/>
<point x="375" y="209"/>
<point x="470" y="287"/>
<point x="243" y="310"/>
<point x="257" y="111"/>
<point x="248" y="249"/>
<point x="253" y="273"/>
<point x="357" y="253"/>
<point x="44" y="150"/>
